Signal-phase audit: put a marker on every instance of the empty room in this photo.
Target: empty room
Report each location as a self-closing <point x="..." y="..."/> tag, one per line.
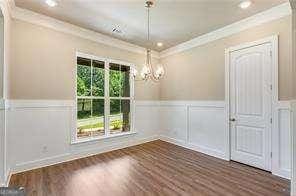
<point x="147" y="97"/>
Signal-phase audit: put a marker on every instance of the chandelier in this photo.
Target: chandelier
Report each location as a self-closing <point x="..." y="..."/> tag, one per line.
<point x="148" y="71"/>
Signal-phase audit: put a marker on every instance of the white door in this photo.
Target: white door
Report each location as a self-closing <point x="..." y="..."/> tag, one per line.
<point x="250" y="105"/>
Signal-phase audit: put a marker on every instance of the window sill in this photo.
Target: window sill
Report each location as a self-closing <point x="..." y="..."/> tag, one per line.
<point x="91" y="139"/>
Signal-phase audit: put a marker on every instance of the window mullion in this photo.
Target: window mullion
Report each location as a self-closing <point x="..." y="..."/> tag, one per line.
<point x="91" y="95"/>
<point x="107" y="98"/>
<point x="132" y="98"/>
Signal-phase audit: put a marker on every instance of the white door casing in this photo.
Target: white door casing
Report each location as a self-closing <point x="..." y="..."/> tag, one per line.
<point x="250" y="104"/>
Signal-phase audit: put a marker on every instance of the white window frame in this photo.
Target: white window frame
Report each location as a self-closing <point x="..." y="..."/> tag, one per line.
<point x="107" y="98"/>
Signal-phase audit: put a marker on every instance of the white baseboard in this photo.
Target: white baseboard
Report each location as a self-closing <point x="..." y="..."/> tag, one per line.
<point x="201" y="149"/>
<point x="8" y="175"/>
<point x="77" y="155"/>
<point x="283" y="173"/>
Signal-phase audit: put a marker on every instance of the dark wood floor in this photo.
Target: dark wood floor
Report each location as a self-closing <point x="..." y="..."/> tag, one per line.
<point x="155" y="168"/>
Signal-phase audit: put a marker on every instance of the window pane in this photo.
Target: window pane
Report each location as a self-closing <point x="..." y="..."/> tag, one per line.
<point x="83" y="116"/>
<point x="119" y="119"/>
<point x="98" y="78"/>
<point x="119" y="80"/>
<point x="114" y="80"/>
<point x="83" y="77"/>
<point x="98" y="128"/>
<point x="125" y="81"/>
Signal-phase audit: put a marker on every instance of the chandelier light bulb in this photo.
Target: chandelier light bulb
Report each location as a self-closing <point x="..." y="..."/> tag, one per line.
<point x="145" y="72"/>
<point x="159" y="72"/>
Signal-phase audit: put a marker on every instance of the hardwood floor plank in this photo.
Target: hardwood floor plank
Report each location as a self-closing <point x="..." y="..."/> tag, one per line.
<point x="154" y="168"/>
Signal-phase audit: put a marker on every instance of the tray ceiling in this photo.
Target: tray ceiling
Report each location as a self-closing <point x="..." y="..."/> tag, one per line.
<point x="172" y="21"/>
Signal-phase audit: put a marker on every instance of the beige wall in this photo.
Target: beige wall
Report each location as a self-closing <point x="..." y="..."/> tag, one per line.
<point x="43" y="63"/>
<point x="198" y="73"/>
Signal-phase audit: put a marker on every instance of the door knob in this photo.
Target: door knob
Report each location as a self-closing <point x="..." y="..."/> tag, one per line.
<point x="232" y="119"/>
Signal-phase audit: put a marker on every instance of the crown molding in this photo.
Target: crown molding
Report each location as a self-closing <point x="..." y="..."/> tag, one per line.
<point x="252" y="21"/>
<point x="58" y="25"/>
<point x="49" y="22"/>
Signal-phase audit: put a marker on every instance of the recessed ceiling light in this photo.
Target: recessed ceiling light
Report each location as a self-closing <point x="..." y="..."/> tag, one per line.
<point x="159" y="44"/>
<point x="245" y="4"/>
<point x="51" y="3"/>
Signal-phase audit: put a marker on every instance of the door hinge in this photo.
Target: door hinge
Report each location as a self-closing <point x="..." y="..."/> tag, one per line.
<point x="271" y="87"/>
<point x="271" y="154"/>
<point x="271" y="120"/>
<point x="270" y="53"/>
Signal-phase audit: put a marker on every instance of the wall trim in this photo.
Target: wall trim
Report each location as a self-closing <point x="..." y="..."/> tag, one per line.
<point x="6" y="12"/>
<point x="19" y="103"/>
<point x="277" y="105"/>
<point x="3" y="177"/>
<point x="194" y="147"/>
<point x="276" y="167"/>
<point x="2" y="104"/>
<point x="252" y="21"/>
<point x="146" y="103"/>
<point x="48" y="103"/>
<point x="49" y="22"/>
<point x="273" y="40"/>
<point x="8" y="175"/>
<point x="72" y="155"/>
<point x="293" y="144"/>
<point x="58" y="25"/>
<point x="216" y="104"/>
<point x="40" y="163"/>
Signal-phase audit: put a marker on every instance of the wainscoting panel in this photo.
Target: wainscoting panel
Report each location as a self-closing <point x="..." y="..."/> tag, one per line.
<point x="293" y="181"/>
<point x="2" y="143"/>
<point x="173" y="123"/>
<point x="39" y="133"/>
<point x="147" y="118"/>
<point x="281" y="140"/>
<point x="200" y="126"/>
<point x="207" y="130"/>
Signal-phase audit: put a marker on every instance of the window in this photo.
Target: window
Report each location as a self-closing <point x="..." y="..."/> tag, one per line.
<point x="104" y="97"/>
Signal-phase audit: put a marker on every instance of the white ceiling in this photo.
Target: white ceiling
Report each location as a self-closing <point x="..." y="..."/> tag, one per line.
<point x="172" y="21"/>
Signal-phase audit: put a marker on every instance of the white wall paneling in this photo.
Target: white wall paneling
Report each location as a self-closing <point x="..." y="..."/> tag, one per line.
<point x="293" y="126"/>
<point x="2" y="143"/>
<point x="197" y="125"/>
<point x="281" y="140"/>
<point x="39" y="133"/>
